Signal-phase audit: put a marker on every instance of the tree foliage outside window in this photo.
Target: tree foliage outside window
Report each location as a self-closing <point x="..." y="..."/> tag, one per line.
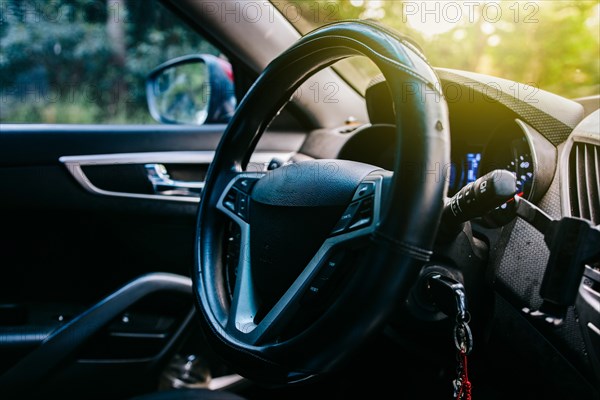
<point x="552" y="44"/>
<point x="85" y="61"/>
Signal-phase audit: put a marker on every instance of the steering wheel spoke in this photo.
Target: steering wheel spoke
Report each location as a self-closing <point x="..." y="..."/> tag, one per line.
<point x="234" y="203"/>
<point x="358" y="221"/>
<point x="235" y="200"/>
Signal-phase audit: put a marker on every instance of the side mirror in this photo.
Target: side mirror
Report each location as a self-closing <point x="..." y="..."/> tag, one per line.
<point x="196" y="89"/>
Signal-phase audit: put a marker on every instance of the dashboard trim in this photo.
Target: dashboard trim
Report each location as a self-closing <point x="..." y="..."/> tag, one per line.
<point x="587" y="132"/>
<point x="544" y="156"/>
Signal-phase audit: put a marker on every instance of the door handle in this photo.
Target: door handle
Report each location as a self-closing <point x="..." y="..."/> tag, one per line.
<point x="164" y="185"/>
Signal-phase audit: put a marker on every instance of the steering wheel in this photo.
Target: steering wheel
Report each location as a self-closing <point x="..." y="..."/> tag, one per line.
<point x="296" y="267"/>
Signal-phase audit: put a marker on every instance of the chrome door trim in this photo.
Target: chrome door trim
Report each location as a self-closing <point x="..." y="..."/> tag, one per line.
<point x="74" y="165"/>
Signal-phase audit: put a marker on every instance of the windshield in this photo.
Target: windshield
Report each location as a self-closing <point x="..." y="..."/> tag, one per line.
<point x="552" y="45"/>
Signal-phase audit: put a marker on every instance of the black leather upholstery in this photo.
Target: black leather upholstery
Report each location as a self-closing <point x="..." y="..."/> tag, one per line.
<point x="405" y="236"/>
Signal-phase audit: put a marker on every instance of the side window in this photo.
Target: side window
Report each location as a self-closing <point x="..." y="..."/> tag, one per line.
<point x="86" y="61"/>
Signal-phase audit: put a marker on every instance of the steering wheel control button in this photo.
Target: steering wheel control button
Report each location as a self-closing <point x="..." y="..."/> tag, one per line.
<point x="364" y="216"/>
<point x="328" y="269"/>
<point x="242" y="206"/>
<point x="364" y="190"/>
<point x="313" y="292"/>
<point x="317" y="285"/>
<point x="237" y="202"/>
<point x="330" y="266"/>
<point x="359" y="214"/>
<point x="245" y="184"/>
<point x="230" y="201"/>
<point x="346" y="219"/>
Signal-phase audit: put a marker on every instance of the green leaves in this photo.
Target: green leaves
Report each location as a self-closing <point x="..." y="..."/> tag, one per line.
<point x="552" y="45"/>
<point x="58" y="65"/>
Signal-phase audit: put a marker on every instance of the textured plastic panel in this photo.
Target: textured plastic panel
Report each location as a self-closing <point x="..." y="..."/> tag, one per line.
<point x="521" y="270"/>
<point x="533" y="369"/>
<point x="554" y="117"/>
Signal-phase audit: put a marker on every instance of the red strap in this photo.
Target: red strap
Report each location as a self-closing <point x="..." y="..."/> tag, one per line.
<point x="465" y="387"/>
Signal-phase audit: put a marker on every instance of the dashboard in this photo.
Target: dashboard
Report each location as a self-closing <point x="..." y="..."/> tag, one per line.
<point x="512" y="145"/>
<point x="555" y="162"/>
<point x="486" y="136"/>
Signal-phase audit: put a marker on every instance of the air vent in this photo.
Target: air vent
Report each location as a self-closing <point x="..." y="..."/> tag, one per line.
<point x="584" y="181"/>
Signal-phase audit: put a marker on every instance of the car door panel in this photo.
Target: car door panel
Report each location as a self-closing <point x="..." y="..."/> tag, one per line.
<point x="65" y="246"/>
<point x="55" y="224"/>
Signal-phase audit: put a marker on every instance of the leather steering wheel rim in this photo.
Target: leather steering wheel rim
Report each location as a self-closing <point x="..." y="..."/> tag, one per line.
<point x="400" y="243"/>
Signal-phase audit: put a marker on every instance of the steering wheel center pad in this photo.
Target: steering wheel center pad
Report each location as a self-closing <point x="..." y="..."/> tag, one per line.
<point x="293" y="209"/>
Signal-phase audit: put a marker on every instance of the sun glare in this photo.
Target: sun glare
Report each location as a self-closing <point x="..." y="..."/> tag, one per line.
<point x="433" y="18"/>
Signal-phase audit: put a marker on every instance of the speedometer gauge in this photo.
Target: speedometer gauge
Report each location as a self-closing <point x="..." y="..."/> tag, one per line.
<point x="521" y="165"/>
<point x="520" y="149"/>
